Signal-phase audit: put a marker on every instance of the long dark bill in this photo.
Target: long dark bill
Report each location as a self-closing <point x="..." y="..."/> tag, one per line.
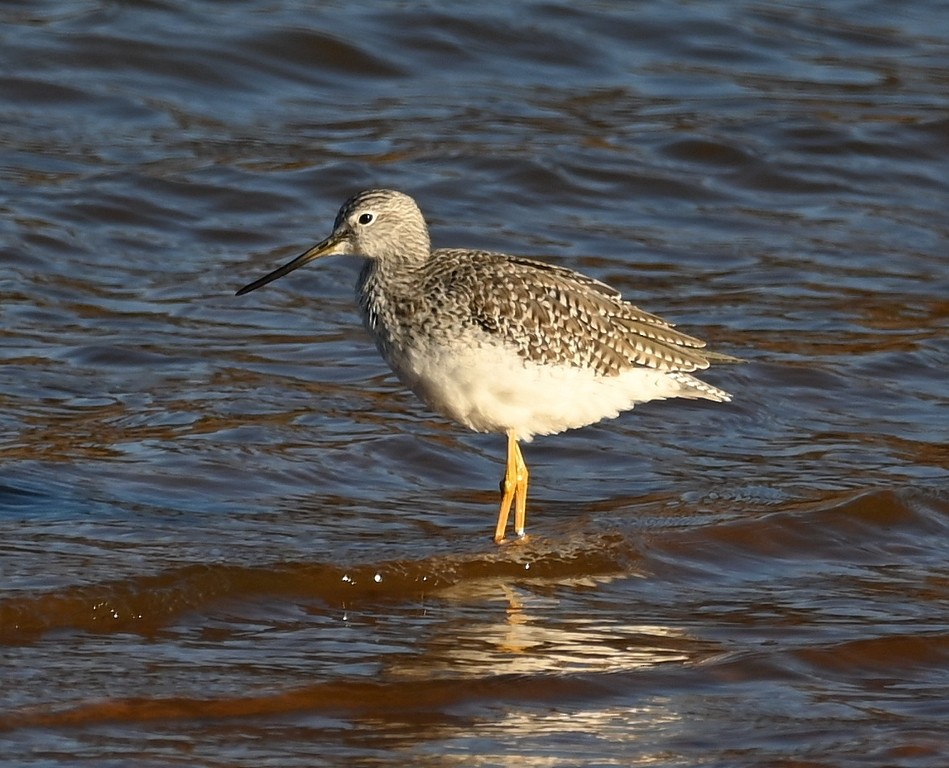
<point x="326" y="248"/>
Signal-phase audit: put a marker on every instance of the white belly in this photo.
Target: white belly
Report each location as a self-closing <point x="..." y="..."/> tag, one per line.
<point x="490" y="388"/>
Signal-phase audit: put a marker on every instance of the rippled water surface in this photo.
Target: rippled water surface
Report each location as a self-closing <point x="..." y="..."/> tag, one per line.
<point x="228" y="536"/>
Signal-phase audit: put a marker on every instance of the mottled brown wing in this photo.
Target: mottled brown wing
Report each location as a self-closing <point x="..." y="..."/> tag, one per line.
<point x="551" y="314"/>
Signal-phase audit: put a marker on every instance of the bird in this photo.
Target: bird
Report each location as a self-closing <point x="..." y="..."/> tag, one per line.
<point x="500" y="343"/>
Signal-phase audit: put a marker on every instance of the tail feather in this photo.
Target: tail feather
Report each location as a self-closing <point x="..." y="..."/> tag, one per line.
<point x="696" y="389"/>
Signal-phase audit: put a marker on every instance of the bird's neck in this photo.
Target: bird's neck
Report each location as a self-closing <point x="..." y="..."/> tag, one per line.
<point x="382" y="285"/>
<point x="392" y="275"/>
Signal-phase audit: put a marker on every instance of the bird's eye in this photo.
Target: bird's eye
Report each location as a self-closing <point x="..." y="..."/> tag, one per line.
<point x="365" y="218"/>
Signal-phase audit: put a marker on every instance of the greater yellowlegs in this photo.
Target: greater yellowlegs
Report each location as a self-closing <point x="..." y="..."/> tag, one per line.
<point x="500" y="343"/>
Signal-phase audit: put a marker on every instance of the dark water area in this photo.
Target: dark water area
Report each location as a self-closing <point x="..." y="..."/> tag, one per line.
<point x="229" y="537"/>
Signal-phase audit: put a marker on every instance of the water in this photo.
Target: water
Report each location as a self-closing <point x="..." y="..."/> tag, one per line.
<point x="229" y="537"/>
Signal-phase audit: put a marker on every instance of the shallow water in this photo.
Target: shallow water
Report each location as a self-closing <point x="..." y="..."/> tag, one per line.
<point x="229" y="537"/>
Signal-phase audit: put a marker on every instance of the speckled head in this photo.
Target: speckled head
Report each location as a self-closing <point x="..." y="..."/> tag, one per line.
<point x="379" y="224"/>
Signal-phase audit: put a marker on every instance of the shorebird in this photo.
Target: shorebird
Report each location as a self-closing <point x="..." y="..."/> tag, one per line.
<point x="501" y="343"/>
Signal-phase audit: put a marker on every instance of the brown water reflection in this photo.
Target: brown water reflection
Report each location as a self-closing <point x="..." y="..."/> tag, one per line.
<point x="506" y="628"/>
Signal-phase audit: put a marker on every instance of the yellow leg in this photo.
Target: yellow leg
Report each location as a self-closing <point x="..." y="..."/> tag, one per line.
<point x="520" y="496"/>
<point x="514" y="489"/>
